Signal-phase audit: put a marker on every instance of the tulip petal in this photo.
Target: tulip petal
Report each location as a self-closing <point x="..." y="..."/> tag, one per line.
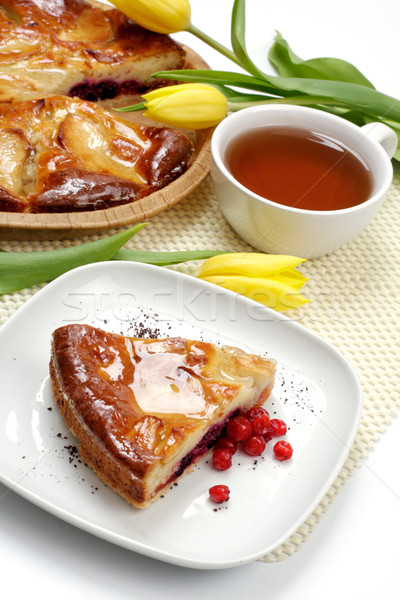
<point x="173" y="89"/>
<point x="292" y="278"/>
<point x="187" y="107"/>
<point x="269" y="292"/>
<point x="161" y="16"/>
<point x="251" y="263"/>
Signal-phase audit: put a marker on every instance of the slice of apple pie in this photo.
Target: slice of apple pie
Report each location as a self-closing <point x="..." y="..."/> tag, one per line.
<point x="61" y="154"/>
<point x="146" y="410"/>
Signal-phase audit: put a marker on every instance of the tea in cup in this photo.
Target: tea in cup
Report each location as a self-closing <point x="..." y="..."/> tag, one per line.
<point x="295" y="180"/>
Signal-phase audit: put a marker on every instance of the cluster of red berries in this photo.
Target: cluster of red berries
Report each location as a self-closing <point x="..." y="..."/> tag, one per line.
<point x="252" y="430"/>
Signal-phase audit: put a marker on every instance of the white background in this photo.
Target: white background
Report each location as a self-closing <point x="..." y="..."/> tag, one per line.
<point x="353" y="553"/>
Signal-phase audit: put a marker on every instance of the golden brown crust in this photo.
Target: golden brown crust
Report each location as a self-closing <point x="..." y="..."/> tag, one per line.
<point x="114" y="474"/>
<point x="11" y="203"/>
<point x="67" y="155"/>
<point x="72" y="47"/>
<point x="144" y="410"/>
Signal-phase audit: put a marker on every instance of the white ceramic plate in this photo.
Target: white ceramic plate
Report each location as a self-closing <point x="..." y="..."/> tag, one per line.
<point x="316" y="393"/>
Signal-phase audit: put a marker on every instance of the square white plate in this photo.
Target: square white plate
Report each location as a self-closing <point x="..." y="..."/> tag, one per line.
<point x="316" y="392"/>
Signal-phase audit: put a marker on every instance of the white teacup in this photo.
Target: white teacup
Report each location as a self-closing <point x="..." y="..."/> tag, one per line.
<point x="279" y="229"/>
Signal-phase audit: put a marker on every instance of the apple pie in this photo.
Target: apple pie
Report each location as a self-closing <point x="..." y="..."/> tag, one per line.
<point x="61" y="154"/>
<point x="146" y="410"/>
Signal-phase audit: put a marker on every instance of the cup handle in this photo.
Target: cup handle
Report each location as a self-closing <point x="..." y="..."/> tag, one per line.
<point x="382" y="134"/>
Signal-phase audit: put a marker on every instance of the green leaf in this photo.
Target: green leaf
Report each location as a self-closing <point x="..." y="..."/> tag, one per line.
<point x="238" y="26"/>
<point x="351" y="95"/>
<point x="288" y="64"/>
<point x="19" y="270"/>
<point x="305" y="100"/>
<point x="356" y="117"/>
<point x="239" y="97"/>
<point x="221" y="78"/>
<point x="396" y="129"/>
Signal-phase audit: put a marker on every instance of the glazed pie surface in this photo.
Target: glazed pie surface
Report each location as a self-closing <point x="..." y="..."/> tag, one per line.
<point x="77" y="48"/>
<point x="61" y="154"/>
<point x="145" y="411"/>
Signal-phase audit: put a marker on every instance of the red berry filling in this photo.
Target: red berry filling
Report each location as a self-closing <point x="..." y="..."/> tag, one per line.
<point x="105" y="89"/>
<point x="283" y="450"/>
<point x="219" y="493"/>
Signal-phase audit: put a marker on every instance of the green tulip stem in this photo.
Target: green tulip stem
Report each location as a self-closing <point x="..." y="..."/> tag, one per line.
<point x="213" y="43"/>
<point x="131" y="108"/>
<point x="298" y="100"/>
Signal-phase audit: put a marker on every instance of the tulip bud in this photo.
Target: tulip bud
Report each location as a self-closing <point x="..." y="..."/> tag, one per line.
<point x="265" y="278"/>
<point x="189" y="105"/>
<point x="161" y="16"/>
<point x="255" y="263"/>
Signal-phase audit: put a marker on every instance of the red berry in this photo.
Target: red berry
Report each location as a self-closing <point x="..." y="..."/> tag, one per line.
<point x="238" y="429"/>
<point x="226" y="443"/>
<point x="255" y="445"/>
<point x="256" y="411"/>
<point x="283" y="450"/>
<point x="268" y="436"/>
<point x="278" y="427"/>
<point x="219" y="493"/>
<point x="222" y="459"/>
<point x="261" y="425"/>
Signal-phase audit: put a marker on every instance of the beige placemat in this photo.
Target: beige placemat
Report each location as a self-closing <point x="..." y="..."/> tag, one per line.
<point x="354" y="294"/>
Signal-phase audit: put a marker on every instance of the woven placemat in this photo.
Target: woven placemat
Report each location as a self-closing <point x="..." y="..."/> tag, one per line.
<point x="354" y="305"/>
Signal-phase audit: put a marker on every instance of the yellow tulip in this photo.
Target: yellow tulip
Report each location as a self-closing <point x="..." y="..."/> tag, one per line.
<point x="189" y="105"/>
<point x="266" y="278"/>
<point x="162" y="16"/>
